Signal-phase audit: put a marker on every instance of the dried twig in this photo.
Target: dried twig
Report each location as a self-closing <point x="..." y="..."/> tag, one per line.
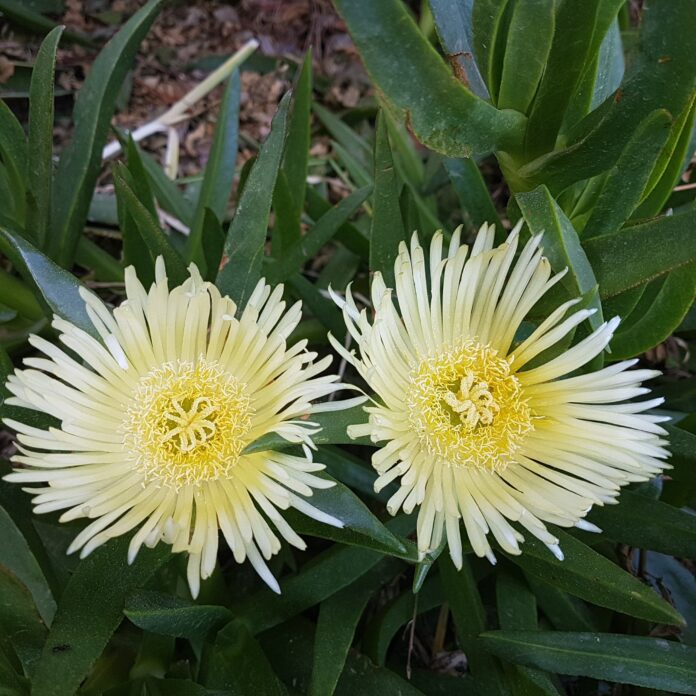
<point x="180" y="111"/>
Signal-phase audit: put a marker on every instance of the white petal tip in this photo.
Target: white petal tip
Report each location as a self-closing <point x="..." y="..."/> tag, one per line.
<point x="588" y="526"/>
<point x="556" y="551"/>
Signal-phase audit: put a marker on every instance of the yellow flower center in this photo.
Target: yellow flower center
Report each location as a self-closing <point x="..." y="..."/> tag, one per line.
<point x="467" y="407"/>
<point x="187" y="423"/>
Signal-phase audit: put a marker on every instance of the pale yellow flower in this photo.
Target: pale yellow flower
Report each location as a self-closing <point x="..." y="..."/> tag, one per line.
<point x="156" y="419"/>
<point x="471" y="430"/>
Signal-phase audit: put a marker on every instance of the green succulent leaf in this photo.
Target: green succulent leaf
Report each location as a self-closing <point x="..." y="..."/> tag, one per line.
<point x="454" y="25"/>
<point x="360" y="527"/>
<point x="643" y="252"/>
<point x="469" y="620"/>
<point x="592" y="577"/>
<point x="238" y="665"/>
<point x="56" y="288"/>
<point x="659" y="312"/>
<point x="562" y="247"/>
<point x="647" y="524"/>
<point x="21" y="623"/>
<point x="338" y="619"/>
<point x="651" y="662"/>
<point x="525" y="61"/>
<point x="322" y="232"/>
<point x="154" y="238"/>
<point x="13" y="155"/>
<point x="81" y="160"/>
<point x="330" y="572"/>
<point x="661" y="77"/>
<point x="172" y="616"/>
<point x="40" y="145"/>
<point x="626" y="181"/>
<point x="419" y="87"/>
<point x="89" y="611"/>
<point x="244" y="247"/>
<point x="219" y="174"/>
<point x="387" y="228"/>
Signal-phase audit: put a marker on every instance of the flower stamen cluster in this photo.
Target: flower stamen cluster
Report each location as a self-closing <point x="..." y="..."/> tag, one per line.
<point x="466" y="406"/>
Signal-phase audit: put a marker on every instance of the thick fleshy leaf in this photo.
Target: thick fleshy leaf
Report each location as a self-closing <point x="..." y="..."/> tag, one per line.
<point x="297" y="146"/>
<point x="517" y="611"/>
<point x="81" y="160"/>
<point x="320" y="306"/>
<point x="661" y="309"/>
<point x="327" y="574"/>
<point x="661" y="77"/>
<point x="13" y="155"/>
<point x="669" y="574"/>
<point x="488" y="36"/>
<point x="214" y="237"/>
<point x="360" y="527"/>
<point x="289" y="196"/>
<point x="219" y="172"/>
<point x="17" y="557"/>
<point x="387" y="228"/>
<point x="454" y="24"/>
<point x="680" y="489"/>
<point x="90" y="255"/>
<point x="56" y="288"/>
<point x="323" y="231"/>
<point x="682" y="120"/>
<point x="428" y="561"/>
<point x="362" y="677"/>
<point x="244" y="247"/>
<point x="625" y="183"/>
<point x="610" y="62"/>
<point x="174" y="687"/>
<point x="353" y="471"/>
<point x="338" y="618"/>
<point x="469" y="617"/>
<point x="173" y="616"/>
<point x="20" y="11"/>
<point x="525" y="61"/>
<point x="15" y="684"/>
<point x="568" y="55"/>
<point x="477" y="205"/>
<point x="385" y="626"/>
<point x="677" y="151"/>
<point x="648" y="524"/>
<point x="20" y="621"/>
<point x="352" y="238"/>
<point x="154" y="238"/>
<point x="419" y="87"/>
<point x="17" y="297"/>
<point x="166" y="191"/>
<point x="345" y="137"/>
<point x="238" y="665"/>
<point x="89" y="611"/>
<point x="651" y="662"/>
<point x="40" y="578"/>
<point x="40" y="149"/>
<point x="286" y="228"/>
<point x="565" y="612"/>
<point x="562" y="247"/>
<point x="589" y="575"/>
<point x="642" y="252"/>
<point x="135" y="251"/>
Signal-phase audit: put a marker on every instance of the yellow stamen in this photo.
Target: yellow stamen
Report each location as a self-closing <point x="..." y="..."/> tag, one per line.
<point x="467" y="406"/>
<point x="187" y="423"/>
